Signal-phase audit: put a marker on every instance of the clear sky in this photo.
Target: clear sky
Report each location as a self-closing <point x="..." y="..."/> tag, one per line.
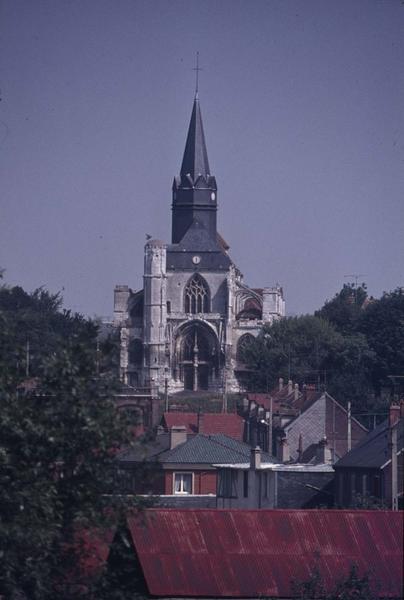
<point x="303" y="108"/>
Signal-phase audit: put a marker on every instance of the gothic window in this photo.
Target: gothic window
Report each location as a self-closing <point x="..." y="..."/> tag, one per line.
<point x="243" y="345"/>
<point x="197" y="295"/>
<point x="135" y="352"/>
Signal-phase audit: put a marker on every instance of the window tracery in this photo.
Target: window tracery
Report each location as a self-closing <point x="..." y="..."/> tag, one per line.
<point x="196" y="296"/>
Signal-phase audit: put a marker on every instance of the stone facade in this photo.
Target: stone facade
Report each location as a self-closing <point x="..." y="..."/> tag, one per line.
<point x="187" y="328"/>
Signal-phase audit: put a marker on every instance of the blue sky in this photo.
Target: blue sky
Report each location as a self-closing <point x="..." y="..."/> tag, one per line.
<point x="302" y="102"/>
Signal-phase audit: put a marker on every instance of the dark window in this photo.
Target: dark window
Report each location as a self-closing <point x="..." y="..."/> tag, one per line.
<point x="135" y="352"/>
<point x="243" y="345"/>
<point x="168" y="306"/>
<point x="265" y="485"/>
<point x="245" y="484"/>
<point x="227" y="483"/>
<point x="197" y="295"/>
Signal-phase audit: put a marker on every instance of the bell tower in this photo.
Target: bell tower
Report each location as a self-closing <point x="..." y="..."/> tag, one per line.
<point x="194" y="190"/>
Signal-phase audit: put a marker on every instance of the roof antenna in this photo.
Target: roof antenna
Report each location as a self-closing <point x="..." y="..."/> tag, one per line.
<point x="197" y="69"/>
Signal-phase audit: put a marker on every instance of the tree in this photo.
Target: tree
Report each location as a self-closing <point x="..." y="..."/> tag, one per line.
<point x="382" y="323"/>
<point x="353" y="586"/>
<point x="57" y="444"/>
<point x="309" y="349"/>
<point x="345" y="309"/>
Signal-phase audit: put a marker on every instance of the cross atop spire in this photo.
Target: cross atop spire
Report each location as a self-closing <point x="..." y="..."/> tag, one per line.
<point x="197" y="69"/>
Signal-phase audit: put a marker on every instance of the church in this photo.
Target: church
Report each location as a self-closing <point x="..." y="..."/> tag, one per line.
<point x="187" y="328"/>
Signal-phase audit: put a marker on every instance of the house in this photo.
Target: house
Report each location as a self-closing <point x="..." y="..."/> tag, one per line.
<point x="302" y="418"/>
<point x="373" y="472"/>
<point x="180" y="465"/>
<point x="254" y="484"/>
<point x="230" y="424"/>
<point x="258" y="554"/>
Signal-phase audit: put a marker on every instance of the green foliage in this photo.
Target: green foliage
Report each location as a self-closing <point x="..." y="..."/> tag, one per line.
<point x="344" y="310"/>
<point x="382" y="323"/>
<point x="57" y="443"/>
<point x="351" y="587"/>
<point x="351" y="346"/>
<point x="309" y="349"/>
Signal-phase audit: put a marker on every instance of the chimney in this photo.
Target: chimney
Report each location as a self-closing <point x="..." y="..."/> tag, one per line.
<point x="178" y="435"/>
<point x="255" y="458"/>
<point x="284" y="450"/>
<point x="280" y="384"/>
<point x="296" y="392"/>
<point x="200" y="422"/>
<point x="323" y="453"/>
<point x="290" y="386"/>
<point x="394" y="414"/>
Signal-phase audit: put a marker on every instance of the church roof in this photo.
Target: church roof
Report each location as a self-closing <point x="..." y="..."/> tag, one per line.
<point x="195" y="161"/>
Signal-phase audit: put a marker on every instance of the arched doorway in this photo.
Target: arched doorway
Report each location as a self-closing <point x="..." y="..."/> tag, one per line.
<point x="197" y="355"/>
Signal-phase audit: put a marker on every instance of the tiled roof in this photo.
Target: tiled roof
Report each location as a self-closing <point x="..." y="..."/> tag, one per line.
<point x="258" y="553"/>
<point x="373" y="451"/>
<point x="229" y="424"/>
<point x="211" y="449"/>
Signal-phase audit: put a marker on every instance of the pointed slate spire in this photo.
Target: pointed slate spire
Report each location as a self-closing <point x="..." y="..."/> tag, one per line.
<point x="194" y="191"/>
<point x="195" y="161"/>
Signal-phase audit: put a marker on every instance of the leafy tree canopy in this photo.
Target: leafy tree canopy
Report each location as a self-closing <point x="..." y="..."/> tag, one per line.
<point x="352" y="345"/>
<point x="58" y="440"/>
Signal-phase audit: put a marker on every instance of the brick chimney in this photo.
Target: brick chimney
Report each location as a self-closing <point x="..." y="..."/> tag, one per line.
<point x="178" y="435"/>
<point x="200" y="422"/>
<point x="323" y="453"/>
<point x="290" y="386"/>
<point x="280" y="384"/>
<point x="394" y="414"/>
<point x="296" y="392"/>
<point x="255" y="458"/>
<point x="284" y="450"/>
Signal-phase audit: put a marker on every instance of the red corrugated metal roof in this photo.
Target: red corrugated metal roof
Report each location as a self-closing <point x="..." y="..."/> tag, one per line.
<point x="229" y="424"/>
<point x="242" y="553"/>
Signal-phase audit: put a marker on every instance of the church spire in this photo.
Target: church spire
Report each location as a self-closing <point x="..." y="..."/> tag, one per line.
<point x="194" y="191"/>
<point x="195" y="161"/>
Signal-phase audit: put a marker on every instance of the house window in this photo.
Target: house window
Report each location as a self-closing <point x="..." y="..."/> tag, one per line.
<point x="182" y="483"/>
<point x="197" y="295"/>
<point x="227" y="483"/>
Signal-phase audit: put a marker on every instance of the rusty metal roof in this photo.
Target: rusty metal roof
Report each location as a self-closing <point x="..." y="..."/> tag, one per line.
<point x="251" y="554"/>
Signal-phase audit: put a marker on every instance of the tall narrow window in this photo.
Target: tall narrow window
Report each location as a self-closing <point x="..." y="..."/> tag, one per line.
<point x="197" y="295"/>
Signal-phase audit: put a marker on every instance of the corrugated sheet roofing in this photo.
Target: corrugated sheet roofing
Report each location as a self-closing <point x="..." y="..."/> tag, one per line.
<point x="255" y="554"/>
<point x="210" y="449"/>
<point x="230" y="424"/>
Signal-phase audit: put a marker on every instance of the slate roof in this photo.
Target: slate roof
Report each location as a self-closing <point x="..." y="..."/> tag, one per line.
<point x="373" y="451"/>
<point x="230" y="424"/>
<point x="195" y="160"/>
<point x="257" y="553"/>
<point x="210" y="449"/>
